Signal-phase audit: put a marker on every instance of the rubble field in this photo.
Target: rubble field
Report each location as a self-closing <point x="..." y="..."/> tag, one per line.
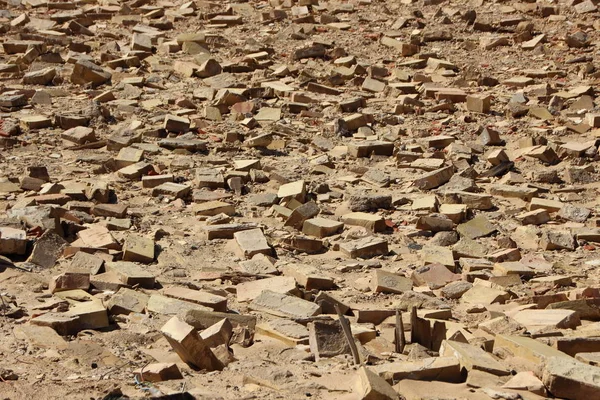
<point x="293" y="199"/>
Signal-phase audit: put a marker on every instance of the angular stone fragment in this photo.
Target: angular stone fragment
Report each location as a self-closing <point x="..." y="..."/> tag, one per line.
<point x="557" y="240"/>
<point x="47" y="249"/>
<point x="523" y="193"/>
<point x="173" y="123"/>
<point x="175" y="190"/>
<point x="535" y="217"/>
<point x="98" y="237"/>
<point x="88" y="310"/>
<point x="543" y="153"/>
<point x="388" y="282"/>
<point x="152" y="181"/>
<point x="473" y="201"/>
<point x="192" y="145"/>
<point x="282" y="305"/>
<point x="571" y="379"/>
<point x="158" y="372"/>
<point x="526" y="380"/>
<point x="466" y="247"/>
<point x="251" y="242"/>
<point x="370" y="386"/>
<point x="110" y="210"/>
<point x="477" y="227"/>
<point x="79" y="135"/>
<point x="135" y="171"/>
<point x="39" y="77"/>
<point x="326" y="339"/>
<point x="12" y="241"/>
<point x="584" y="7"/>
<point x="455" y="290"/>
<point x="225" y="231"/>
<point x="302" y="213"/>
<point x="372" y="222"/>
<point x="473" y="358"/>
<point x="484" y="295"/>
<point x="87" y="72"/>
<point x="445" y="369"/>
<point x="540" y="319"/>
<point x="138" y="249"/>
<point x="328" y="303"/>
<point x="40" y="336"/>
<point x="248" y="291"/>
<point x="367" y="148"/>
<point x="365" y="248"/>
<point x="302" y="243"/>
<point x="218" y="334"/>
<point x="577" y="345"/>
<point x="296" y="190"/>
<point x="433" y="179"/>
<point x="574" y="213"/>
<point x="243" y="325"/>
<point x="369" y="202"/>
<point x="314" y="51"/>
<point x="488" y="137"/>
<point x="548" y="205"/>
<point x="64" y="324"/>
<point x="189" y="346"/>
<point x="107" y="281"/>
<point x="352" y="123"/>
<point x="212" y="208"/>
<point x="434" y="223"/>
<point x="479" y="104"/>
<point x="512" y="268"/>
<point x="69" y="281"/>
<point x="321" y="227"/>
<point x="308" y="276"/>
<point x="131" y="274"/>
<point x="127" y="301"/>
<point x="431" y="254"/>
<point x="434" y="276"/>
<point x="289" y="332"/>
<point x="217" y="303"/>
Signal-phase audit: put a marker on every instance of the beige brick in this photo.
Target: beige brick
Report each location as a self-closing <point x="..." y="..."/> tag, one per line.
<point x="138" y="249"/>
<point x="211" y="208"/>
<point x="296" y="190"/>
<point x="248" y="291"/>
<point x="189" y="346"/>
<point x="321" y="227"/>
<point x="479" y="104"/>
<point x="365" y="248"/>
<point x="69" y="281"/>
<point x="213" y="301"/>
<point x="158" y="372"/>
<point x="251" y="242"/>
<point x="372" y="222"/>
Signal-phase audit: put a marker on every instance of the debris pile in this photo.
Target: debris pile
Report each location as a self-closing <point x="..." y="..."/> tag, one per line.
<point x="355" y="199"/>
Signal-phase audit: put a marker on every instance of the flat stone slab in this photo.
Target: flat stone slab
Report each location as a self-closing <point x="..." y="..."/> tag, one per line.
<point x="571" y="379"/>
<point x="475" y="228"/>
<point x="251" y="242"/>
<point x="217" y="303"/>
<point x="131" y="274"/>
<point x="527" y="348"/>
<point x="168" y="306"/>
<point x="248" y="291"/>
<point x="445" y="369"/>
<point x="473" y="358"/>
<point x="289" y="332"/>
<point x="282" y="305"/>
<point x="365" y="248"/>
<point x="539" y="319"/>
